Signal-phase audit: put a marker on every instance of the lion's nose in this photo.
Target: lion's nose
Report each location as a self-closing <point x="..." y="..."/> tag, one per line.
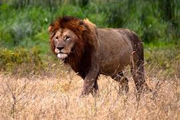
<point x="59" y="48"/>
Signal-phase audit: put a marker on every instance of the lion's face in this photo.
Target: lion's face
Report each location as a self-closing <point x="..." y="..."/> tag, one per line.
<point x="64" y="41"/>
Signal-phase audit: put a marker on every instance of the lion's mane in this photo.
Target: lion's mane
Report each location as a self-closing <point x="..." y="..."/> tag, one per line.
<point x="80" y="57"/>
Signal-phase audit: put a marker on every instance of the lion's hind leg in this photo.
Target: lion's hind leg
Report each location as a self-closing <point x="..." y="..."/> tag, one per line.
<point x="123" y="82"/>
<point x="137" y="70"/>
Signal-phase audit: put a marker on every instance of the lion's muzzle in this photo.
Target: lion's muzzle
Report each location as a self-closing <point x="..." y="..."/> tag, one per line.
<point x="57" y="51"/>
<point x="60" y="54"/>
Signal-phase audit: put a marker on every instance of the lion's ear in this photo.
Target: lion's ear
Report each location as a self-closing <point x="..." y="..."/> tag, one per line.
<point x="82" y="26"/>
<point x="51" y="31"/>
<point x="50" y="28"/>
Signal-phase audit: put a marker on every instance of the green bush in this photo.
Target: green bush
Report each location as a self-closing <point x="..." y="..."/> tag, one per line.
<point x="164" y="58"/>
<point x="20" y="60"/>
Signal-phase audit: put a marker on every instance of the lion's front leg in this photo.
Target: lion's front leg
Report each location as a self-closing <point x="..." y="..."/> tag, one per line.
<point x="90" y="86"/>
<point x="90" y="83"/>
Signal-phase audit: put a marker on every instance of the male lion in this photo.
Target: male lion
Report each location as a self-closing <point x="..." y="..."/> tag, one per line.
<point x="91" y="51"/>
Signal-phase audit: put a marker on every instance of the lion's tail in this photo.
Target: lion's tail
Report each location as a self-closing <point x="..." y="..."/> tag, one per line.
<point x="138" y="51"/>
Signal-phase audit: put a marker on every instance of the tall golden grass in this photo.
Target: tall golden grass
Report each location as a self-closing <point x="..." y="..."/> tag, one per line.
<point x="56" y="96"/>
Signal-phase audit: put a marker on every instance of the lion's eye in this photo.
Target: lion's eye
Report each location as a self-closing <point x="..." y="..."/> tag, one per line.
<point x="56" y="39"/>
<point x="67" y="38"/>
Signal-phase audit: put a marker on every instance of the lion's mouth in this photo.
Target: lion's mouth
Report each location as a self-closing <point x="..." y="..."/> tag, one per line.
<point x="62" y="56"/>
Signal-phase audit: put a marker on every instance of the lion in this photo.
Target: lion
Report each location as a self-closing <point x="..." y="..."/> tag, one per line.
<point x="91" y="51"/>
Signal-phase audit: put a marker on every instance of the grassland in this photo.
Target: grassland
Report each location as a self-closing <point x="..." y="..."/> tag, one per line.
<point x="57" y="97"/>
<point x="55" y="94"/>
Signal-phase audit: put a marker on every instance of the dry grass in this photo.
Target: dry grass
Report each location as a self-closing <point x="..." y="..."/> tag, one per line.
<point x="56" y="96"/>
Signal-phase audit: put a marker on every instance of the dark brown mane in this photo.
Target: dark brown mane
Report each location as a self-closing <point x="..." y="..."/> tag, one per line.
<point x="80" y="57"/>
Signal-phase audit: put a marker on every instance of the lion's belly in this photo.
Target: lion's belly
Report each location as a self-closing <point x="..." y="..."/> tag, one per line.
<point x="113" y="64"/>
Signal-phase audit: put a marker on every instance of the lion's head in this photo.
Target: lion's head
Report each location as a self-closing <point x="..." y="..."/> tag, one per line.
<point x="63" y="42"/>
<point x="71" y="39"/>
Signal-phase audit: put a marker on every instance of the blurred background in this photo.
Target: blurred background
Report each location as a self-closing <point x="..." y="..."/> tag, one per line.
<point x="24" y="40"/>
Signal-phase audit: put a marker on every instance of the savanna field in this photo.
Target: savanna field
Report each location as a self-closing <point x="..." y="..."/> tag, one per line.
<point x="35" y="85"/>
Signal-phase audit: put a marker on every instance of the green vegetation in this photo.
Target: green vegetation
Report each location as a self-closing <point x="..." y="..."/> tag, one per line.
<point x="20" y="60"/>
<point x="24" y="23"/>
